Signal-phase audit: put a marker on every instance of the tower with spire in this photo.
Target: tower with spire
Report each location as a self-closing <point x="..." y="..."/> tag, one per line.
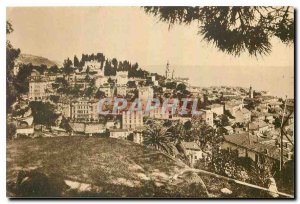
<point x="250" y="92"/>
<point x="168" y="70"/>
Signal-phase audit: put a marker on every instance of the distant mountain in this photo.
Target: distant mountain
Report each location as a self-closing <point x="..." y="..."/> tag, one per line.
<point x="37" y="60"/>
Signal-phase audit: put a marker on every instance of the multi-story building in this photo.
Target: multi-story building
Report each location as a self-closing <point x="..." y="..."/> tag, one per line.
<point x="85" y="110"/>
<point x="132" y="119"/>
<point x="207" y="116"/>
<point x="38" y="86"/>
<point x="159" y="113"/>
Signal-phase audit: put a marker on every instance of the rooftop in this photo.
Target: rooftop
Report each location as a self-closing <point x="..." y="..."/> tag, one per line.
<point x="190" y="145"/>
<point x="249" y="142"/>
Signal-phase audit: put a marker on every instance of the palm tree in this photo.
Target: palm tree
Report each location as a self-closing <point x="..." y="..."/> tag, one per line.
<point x="156" y="136"/>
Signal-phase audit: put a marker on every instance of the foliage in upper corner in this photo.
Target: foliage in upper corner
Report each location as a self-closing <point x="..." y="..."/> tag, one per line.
<point x="234" y="29"/>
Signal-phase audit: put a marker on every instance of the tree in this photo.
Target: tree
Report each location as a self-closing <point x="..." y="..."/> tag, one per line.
<point x="108" y="69"/>
<point x="156" y="136"/>
<point x="114" y="62"/>
<point x="54" y="69"/>
<point x="99" y="94"/>
<point x="204" y="133"/>
<point x="41" y="68"/>
<point x="135" y="66"/>
<point x="88" y="92"/>
<point x="178" y="132"/>
<point x="224" y="121"/>
<point x="67" y="66"/>
<point x="74" y="91"/>
<point x="21" y="80"/>
<point x="65" y="125"/>
<point x="181" y="87"/>
<point x="11" y="55"/>
<point x="11" y="130"/>
<point x="131" y="84"/>
<point x="171" y="85"/>
<point x="234" y="29"/>
<point x="101" y="58"/>
<point x="43" y="113"/>
<point x="54" y="98"/>
<point x="188" y="125"/>
<point x="76" y="61"/>
<point x="277" y="122"/>
<point x="62" y="81"/>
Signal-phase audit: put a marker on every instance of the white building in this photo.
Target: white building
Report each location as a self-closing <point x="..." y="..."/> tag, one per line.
<point x="145" y="93"/>
<point x="122" y="77"/>
<point x="122" y="90"/>
<point x="132" y="119"/>
<point x="94" y="66"/>
<point x="207" y="116"/>
<point x="119" y="133"/>
<point x="38" y="86"/>
<point x="192" y="151"/>
<point x="85" y="110"/>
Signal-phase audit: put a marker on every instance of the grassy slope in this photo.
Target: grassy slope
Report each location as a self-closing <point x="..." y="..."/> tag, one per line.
<point x="98" y="161"/>
<point x="121" y="167"/>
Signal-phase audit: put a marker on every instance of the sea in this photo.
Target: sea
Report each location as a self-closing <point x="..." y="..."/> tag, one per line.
<point x="279" y="81"/>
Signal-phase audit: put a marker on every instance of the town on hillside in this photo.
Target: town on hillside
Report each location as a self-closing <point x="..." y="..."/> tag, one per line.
<point x="63" y="102"/>
<point x="98" y="126"/>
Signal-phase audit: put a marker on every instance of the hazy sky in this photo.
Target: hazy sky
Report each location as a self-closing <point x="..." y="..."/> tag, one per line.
<point x="127" y="33"/>
<point x="122" y="32"/>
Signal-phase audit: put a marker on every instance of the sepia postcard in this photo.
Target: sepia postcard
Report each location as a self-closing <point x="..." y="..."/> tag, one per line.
<point x="150" y="102"/>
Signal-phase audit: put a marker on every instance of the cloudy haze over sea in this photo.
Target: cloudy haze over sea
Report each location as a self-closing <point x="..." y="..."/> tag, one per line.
<point x="278" y="80"/>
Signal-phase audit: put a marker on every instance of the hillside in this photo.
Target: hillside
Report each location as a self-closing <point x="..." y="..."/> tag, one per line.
<point x="107" y="167"/>
<point x="115" y="168"/>
<point x="37" y="60"/>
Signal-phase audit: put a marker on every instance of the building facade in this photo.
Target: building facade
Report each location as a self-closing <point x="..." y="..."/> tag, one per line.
<point x="84" y="110"/>
<point x="132" y="119"/>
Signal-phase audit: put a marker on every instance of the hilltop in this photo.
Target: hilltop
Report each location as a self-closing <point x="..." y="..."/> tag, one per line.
<point x="37" y="60"/>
